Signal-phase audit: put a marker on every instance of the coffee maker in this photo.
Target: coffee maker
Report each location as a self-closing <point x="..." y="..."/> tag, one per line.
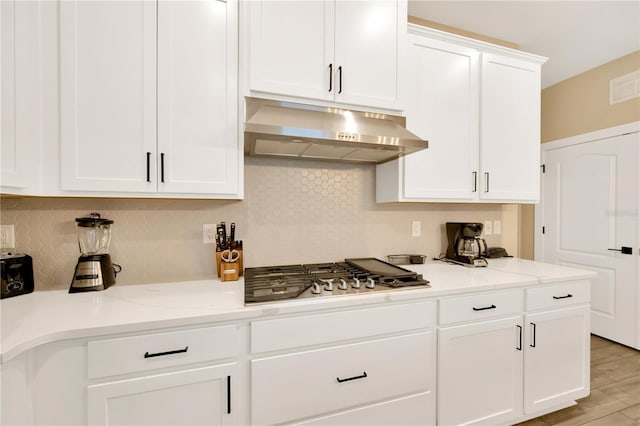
<point x="94" y="270"/>
<point x="465" y="245"/>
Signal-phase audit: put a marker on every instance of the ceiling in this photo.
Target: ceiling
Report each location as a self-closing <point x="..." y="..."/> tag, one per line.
<point x="576" y="36"/>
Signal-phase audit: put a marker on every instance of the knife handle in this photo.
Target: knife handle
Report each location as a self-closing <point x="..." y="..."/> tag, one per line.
<point x="232" y="233"/>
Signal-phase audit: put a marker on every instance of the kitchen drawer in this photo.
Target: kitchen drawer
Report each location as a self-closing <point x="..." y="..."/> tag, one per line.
<point x="292" y="332"/>
<point x="558" y="295"/>
<point x="160" y="350"/>
<point x="480" y="306"/>
<point x="411" y="410"/>
<point x="302" y="385"/>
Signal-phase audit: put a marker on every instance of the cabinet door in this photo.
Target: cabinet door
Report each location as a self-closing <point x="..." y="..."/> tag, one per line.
<point x="510" y="129"/>
<point x="108" y="95"/>
<point x="197" y="97"/>
<point x="480" y="372"/>
<point x="291" y="48"/>
<point x="557" y="358"/>
<point x="442" y="108"/>
<point x="20" y="96"/>
<point x="193" y="397"/>
<point x="369" y="40"/>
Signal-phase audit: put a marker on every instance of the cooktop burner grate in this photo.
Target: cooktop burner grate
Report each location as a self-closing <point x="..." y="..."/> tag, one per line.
<point x="273" y="283"/>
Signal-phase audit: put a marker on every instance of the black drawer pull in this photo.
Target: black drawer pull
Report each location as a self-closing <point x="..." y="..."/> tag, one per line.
<point x="563" y="297"/>
<point x="148" y="167"/>
<point x="520" y="338"/>
<point x="177" y="351"/>
<point x="228" y="394"/>
<point x="533" y="335"/>
<point x="364" y="374"/>
<point x="485" y="308"/>
<point x="162" y="167"/>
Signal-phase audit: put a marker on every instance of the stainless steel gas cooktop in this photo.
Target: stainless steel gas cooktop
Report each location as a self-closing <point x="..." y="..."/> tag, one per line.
<point x="353" y="276"/>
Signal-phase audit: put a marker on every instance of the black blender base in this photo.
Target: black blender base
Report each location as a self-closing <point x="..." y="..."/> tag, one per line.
<point x="106" y="269"/>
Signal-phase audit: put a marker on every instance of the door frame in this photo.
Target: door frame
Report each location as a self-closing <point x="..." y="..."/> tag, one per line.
<point x="561" y="143"/>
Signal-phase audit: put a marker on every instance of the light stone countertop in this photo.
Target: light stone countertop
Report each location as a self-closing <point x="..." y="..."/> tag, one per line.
<point x="45" y="316"/>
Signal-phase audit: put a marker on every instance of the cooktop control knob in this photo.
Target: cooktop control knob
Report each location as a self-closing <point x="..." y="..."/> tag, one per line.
<point x="370" y="283"/>
<point x="328" y="284"/>
<point x="356" y="283"/>
<point x="315" y="288"/>
<point x="343" y="284"/>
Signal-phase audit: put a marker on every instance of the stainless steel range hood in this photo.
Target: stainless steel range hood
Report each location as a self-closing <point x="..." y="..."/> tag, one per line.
<point x="286" y="129"/>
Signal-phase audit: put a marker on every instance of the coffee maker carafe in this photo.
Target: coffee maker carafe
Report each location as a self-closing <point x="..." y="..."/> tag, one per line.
<point x="94" y="270"/>
<point x="465" y="245"/>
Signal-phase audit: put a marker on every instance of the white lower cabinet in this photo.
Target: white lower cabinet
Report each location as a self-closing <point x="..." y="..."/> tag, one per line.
<point x="296" y="386"/>
<point x="556" y="362"/>
<point x="480" y="372"/>
<point x="501" y="361"/>
<point x="159" y="379"/>
<point x="500" y="357"/>
<point x="200" y="396"/>
<point x="348" y="375"/>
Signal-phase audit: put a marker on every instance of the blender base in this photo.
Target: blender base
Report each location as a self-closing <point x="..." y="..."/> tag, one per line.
<point x="93" y="273"/>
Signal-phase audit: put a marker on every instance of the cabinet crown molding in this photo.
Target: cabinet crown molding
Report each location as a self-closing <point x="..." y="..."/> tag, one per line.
<point x="476" y="44"/>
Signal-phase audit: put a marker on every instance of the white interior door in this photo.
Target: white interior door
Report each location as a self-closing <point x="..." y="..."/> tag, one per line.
<point x="591" y="206"/>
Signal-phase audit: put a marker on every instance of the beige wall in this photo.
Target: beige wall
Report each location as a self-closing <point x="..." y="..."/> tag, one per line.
<point x="581" y="104"/>
<point x="293" y="212"/>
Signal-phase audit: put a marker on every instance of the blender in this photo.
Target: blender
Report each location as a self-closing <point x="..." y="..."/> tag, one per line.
<point x="94" y="270"/>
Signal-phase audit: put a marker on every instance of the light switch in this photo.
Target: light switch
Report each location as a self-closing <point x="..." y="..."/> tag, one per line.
<point x="487" y="227"/>
<point x="497" y="227"/>
<point x="415" y="228"/>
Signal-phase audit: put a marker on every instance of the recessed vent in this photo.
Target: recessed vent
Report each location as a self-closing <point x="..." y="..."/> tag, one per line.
<point x="624" y="88"/>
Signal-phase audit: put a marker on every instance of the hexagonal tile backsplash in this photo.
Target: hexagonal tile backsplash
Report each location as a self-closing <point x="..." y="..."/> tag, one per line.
<point x="293" y="212"/>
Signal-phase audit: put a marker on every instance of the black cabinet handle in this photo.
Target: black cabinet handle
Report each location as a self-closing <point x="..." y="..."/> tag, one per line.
<point x="623" y="250"/>
<point x="148" y="167"/>
<point x="533" y="345"/>
<point x="563" y="297"/>
<point x="519" y="338"/>
<point x="485" y="308"/>
<point x="162" y="167"/>
<point x="486" y="180"/>
<point x="362" y="376"/>
<point x="475" y="181"/>
<point x="178" y="351"/>
<point x="330" y="77"/>
<point x="340" y="81"/>
<point x="228" y="394"/>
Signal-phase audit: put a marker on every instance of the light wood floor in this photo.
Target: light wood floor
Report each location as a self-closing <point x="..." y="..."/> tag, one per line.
<point x="615" y="390"/>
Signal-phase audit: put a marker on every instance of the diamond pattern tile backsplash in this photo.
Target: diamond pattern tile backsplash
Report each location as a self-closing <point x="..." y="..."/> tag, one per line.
<point x="293" y="212"/>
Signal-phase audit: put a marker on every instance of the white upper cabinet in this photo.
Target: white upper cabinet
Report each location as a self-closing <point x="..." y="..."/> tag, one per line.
<point x="442" y="107"/>
<point x="20" y="97"/>
<point x="198" y="97"/>
<point x="478" y="105"/>
<point x="149" y="98"/>
<point x="108" y="95"/>
<point x="343" y="51"/>
<point x="510" y="129"/>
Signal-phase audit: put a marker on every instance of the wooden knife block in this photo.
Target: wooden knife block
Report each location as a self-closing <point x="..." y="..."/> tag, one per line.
<point x="226" y="269"/>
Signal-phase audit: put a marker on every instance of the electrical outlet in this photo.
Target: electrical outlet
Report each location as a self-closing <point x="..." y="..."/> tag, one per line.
<point x="7" y="236"/>
<point x="497" y="227"/>
<point x="208" y="233"/>
<point x="415" y="228"/>
<point x="487" y="227"/>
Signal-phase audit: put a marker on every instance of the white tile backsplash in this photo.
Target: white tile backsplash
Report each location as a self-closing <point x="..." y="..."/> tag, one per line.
<point x="294" y="212"/>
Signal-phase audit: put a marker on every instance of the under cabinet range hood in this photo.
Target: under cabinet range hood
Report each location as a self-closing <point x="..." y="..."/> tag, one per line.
<point x="286" y="129"/>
